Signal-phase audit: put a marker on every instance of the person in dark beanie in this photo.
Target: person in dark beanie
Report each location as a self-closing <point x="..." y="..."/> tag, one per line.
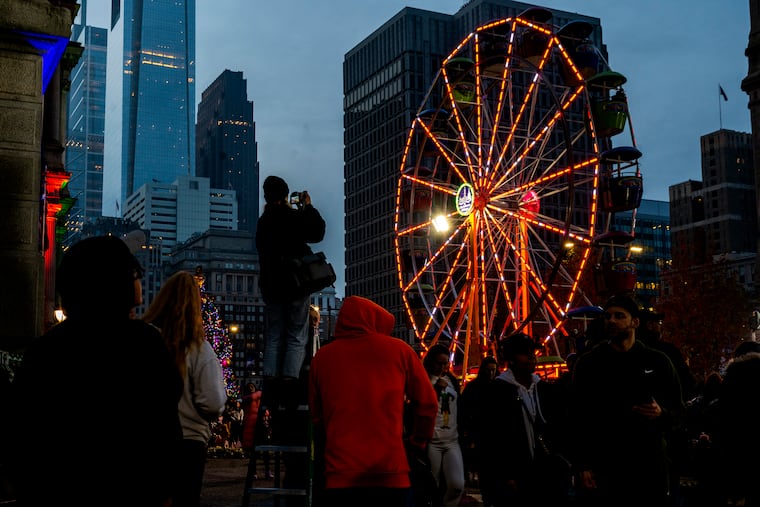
<point x="282" y="234"/>
<point x="627" y="401"/>
<point x="95" y="398"/>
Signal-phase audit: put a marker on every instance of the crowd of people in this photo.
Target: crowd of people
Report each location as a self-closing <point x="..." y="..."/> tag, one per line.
<point x="621" y="426"/>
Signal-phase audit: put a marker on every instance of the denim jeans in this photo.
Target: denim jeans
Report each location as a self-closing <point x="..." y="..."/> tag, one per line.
<point x="286" y="332"/>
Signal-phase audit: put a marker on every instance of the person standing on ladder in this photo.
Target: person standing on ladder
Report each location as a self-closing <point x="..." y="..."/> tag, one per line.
<point x="282" y="234"/>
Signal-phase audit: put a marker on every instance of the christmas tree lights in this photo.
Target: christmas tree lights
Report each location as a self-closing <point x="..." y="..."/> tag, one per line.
<point x="217" y="335"/>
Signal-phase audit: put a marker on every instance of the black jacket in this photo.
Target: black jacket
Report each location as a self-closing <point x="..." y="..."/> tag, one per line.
<point x="95" y="418"/>
<point x="627" y="452"/>
<point x="282" y="233"/>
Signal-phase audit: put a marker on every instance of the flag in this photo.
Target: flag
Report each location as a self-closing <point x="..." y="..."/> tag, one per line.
<point x="722" y="93"/>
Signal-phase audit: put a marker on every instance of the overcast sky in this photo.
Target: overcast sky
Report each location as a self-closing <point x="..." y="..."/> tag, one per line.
<point x="675" y="54"/>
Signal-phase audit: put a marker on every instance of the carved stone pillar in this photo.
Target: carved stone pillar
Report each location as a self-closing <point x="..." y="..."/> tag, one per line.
<point x="33" y="34"/>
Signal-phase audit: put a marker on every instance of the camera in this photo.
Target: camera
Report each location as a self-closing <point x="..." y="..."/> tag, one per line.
<point x="296" y="199"/>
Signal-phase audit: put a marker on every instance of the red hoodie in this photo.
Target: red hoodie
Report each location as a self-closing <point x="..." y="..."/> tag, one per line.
<point x="357" y="387"/>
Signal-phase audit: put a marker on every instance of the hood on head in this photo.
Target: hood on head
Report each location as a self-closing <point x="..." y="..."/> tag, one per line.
<point x="360" y="315"/>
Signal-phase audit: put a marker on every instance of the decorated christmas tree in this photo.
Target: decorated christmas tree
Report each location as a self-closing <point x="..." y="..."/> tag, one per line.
<point x="216" y="334"/>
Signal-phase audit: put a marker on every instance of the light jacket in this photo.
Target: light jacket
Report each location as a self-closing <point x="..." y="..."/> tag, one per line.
<point x="205" y="395"/>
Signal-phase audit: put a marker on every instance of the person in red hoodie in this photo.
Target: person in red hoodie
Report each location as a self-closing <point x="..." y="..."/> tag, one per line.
<point x="358" y="387"/>
<point x="251" y="408"/>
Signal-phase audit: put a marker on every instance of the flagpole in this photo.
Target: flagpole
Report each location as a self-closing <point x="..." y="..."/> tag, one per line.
<point x="720" y="108"/>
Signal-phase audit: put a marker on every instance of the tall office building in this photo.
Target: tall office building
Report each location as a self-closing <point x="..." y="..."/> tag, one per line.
<point x="385" y="78"/>
<point x="175" y="212"/>
<point x="225" y="141"/>
<point x="717" y="215"/>
<point x="150" y="97"/>
<point x="715" y="219"/>
<point x="85" y="130"/>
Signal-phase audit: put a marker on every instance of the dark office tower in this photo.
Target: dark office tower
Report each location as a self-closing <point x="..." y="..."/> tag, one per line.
<point x="385" y="80"/>
<point x="225" y="142"/>
<point x="751" y="86"/>
<point x="717" y="216"/>
<point x="86" y="123"/>
<point x="150" y="97"/>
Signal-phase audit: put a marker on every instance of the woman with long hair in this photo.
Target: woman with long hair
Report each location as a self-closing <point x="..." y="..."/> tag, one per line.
<point x="176" y="311"/>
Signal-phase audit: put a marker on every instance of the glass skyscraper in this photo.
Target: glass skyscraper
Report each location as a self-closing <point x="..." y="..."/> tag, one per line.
<point x="150" y="97"/>
<point x="225" y="139"/>
<point x="652" y="246"/>
<point x="86" y="124"/>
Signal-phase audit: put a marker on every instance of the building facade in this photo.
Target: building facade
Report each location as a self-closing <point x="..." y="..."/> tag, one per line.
<point x="716" y="216"/>
<point x="386" y="78"/>
<point x="175" y="212"/>
<point x="37" y="57"/>
<point x="150" y="97"/>
<point x="715" y="219"/>
<point x="651" y="247"/>
<point x="85" y="130"/>
<point x="225" y="142"/>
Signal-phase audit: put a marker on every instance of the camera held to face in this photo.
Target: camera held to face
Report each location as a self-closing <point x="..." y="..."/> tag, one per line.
<point x="297" y="199"/>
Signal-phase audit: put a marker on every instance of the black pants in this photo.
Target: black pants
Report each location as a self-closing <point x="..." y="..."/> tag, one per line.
<point x="366" y="497"/>
<point x="189" y="476"/>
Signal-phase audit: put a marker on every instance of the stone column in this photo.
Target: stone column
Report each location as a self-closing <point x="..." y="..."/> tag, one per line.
<point x="22" y="24"/>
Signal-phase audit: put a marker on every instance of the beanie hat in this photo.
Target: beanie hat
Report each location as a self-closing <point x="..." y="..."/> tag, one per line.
<point x="97" y="277"/>
<point x="626" y="302"/>
<point x="275" y="189"/>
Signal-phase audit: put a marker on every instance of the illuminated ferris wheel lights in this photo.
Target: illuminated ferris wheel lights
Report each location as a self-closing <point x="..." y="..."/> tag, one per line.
<point x="440" y="223"/>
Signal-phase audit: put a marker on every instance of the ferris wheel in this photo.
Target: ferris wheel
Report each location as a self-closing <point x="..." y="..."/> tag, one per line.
<point x="509" y="184"/>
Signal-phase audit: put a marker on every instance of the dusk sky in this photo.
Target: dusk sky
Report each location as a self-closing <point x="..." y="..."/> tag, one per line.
<point x="675" y="54"/>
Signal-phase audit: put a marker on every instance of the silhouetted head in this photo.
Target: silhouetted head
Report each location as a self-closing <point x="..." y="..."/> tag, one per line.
<point x="436" y="359"/>
<point x="746" y="347"/>
<point x="626" y="302"/>
<point x="275" y="189"/>
<point x="516" y="345"/>
<point x="488" y="368"/>
<point x="96" y="278"/>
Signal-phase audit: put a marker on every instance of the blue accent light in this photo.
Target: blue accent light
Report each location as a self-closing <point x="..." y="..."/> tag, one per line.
<point x="51" y="49"/>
